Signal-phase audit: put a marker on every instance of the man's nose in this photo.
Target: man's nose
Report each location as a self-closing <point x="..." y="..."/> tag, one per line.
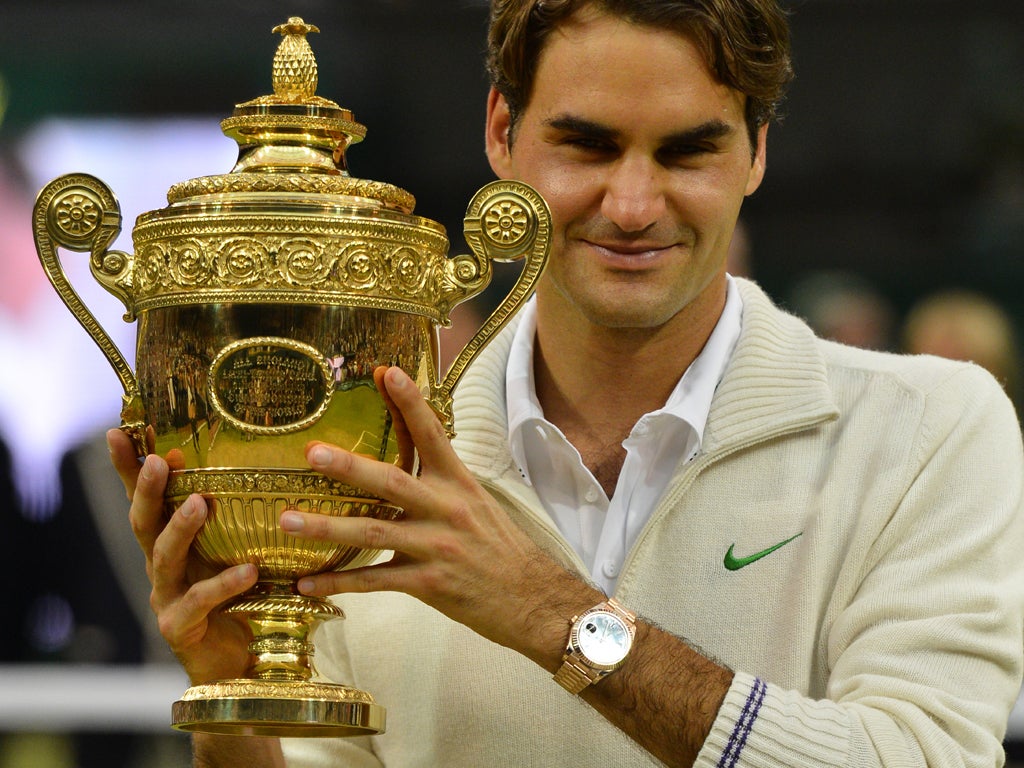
<point x="634" y="196"/>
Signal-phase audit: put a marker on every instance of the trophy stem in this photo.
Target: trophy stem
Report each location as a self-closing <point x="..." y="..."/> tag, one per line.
<point x="281" y="697"/>
<point x="282" y="623"/>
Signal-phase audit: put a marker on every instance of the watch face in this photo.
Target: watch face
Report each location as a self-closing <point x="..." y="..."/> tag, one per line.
<point x="603" y="638"/>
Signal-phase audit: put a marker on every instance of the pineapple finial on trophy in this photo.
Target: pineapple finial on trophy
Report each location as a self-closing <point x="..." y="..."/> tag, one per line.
<point x="294" y="71"/>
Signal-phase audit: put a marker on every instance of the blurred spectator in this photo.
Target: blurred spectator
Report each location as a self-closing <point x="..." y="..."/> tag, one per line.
<point x="94" y="608"/>
<point x="738" y="260"/>
<point x="963" y="325"/>
<point x="13" y="545"/>
<point x="993" y="224"/>
<point x="845" y="307"/>
<point x="109" y="605"/>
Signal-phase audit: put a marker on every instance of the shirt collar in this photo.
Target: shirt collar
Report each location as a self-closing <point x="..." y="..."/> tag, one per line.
<point x="520" y="389"/>
<point x="689" y="402"/>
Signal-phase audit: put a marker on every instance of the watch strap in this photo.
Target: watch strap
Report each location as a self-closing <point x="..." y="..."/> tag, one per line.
<point x="573" y="678"/>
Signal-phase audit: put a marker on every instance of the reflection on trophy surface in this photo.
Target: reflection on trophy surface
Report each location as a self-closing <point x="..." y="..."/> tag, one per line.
<point x="265" y="298"/>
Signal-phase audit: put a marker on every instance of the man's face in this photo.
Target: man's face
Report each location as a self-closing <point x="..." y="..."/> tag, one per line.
<point x="644" y="159"/>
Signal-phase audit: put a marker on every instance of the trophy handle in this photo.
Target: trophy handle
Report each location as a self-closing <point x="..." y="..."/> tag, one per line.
<point x="505" y="221"/>
<point x="80" y="213"/>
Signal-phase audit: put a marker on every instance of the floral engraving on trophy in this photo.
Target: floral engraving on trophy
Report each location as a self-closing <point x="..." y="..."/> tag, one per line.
<point x="301" y="262"/>
<point x="188" y="264"/>
<point x="78" y="213"/>
<point x="407" y="270"/>
<point x="506" y="222"/>
<point x="358" y="265"/>
<point x="150" y="270"/>
<point x="242" y="262"/>
<point x="374" y="264"/>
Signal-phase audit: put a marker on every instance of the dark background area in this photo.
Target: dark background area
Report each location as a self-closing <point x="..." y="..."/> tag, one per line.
<point x="901" y="155"/>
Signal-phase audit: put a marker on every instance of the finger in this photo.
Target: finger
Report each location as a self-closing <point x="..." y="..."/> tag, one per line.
<point x="381" y="480"/>
<point x="147" y="510"/>
<point x="382" y="577"/>
<point x="425" y="429"/>
<point x="175" y="459"/>
<point x="171" y="548"/>
<point x="406" y="448"/>
<point x="364" y="533"/>
<point x="186" y="621"/>
<point x="124" y="458"/>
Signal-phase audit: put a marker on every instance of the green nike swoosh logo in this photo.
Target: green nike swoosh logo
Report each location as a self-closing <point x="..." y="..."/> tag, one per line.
<point x="734" y="563"/>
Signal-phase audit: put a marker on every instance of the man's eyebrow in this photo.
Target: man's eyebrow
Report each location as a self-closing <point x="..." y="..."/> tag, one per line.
<point x="575" y="124"/>
<point x="706" y="131"/>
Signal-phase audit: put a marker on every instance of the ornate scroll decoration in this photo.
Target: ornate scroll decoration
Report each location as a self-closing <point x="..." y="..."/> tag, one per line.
<point x="80" y="213"/>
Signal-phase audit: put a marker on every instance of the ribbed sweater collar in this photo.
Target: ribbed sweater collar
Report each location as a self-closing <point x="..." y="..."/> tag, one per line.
<point x="775" y="383"/>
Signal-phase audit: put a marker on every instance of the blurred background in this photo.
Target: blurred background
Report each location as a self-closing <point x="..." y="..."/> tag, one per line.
<point x="892" y="217"/>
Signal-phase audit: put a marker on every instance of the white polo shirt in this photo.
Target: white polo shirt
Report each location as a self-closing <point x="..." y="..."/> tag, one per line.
<point x="602" y="530"/>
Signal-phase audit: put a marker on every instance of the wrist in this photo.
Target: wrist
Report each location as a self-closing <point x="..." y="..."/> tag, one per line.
<point x="554" y="596"/>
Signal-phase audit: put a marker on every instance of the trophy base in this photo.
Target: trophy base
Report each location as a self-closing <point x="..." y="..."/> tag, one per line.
<point x="277" y="708"/>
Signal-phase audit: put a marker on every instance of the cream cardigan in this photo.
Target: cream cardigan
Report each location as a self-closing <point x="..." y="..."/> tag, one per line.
<point x="888" y="632"/>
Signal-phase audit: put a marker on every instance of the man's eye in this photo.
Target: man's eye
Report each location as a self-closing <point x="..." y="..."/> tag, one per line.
<point x="685" y="150"/>
<point x="590" y="144"/>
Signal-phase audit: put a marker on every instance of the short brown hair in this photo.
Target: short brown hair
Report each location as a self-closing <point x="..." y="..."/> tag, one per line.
<point x="745" y="43"/>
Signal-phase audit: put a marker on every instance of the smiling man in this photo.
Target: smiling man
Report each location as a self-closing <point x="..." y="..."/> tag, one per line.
<point x="675" y="528"/>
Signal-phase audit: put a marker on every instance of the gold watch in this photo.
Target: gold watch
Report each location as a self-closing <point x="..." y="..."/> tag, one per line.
<point x="599" y="642"/>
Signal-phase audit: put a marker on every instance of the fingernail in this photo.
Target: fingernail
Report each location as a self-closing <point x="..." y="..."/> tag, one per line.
<point x="292" y="522"/>
<point x="192" y="506"/>
<point x="399" y="378"/>
<point x="305" y="585"/>
<point x="320" y="456"/>
<point x="243" y="573"/>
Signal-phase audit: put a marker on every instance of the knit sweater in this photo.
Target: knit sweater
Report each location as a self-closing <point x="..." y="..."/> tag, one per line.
<point x="887" y="632"/>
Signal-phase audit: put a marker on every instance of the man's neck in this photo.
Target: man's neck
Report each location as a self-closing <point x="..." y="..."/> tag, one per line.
<point x="594" y="383"/>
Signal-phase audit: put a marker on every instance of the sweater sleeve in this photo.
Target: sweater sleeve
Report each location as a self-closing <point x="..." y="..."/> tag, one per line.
<point x="925" y="661"/>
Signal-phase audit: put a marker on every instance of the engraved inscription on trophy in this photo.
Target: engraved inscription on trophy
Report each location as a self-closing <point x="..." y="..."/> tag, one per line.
<point x="269" y="385"/>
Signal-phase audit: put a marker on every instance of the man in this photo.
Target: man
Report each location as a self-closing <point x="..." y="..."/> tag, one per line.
<point x="820" y="544"/>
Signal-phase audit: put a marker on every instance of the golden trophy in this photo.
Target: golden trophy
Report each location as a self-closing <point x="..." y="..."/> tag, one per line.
<point x="265" y="298"/>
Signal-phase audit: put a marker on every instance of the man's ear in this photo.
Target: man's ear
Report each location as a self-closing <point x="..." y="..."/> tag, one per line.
<point x="759" y="165"/>
<point x="496" y="133"/>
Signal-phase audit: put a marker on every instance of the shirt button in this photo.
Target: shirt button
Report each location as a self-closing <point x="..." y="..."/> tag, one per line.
<point x="610" y="569"/>
<point x="591" y="495"/>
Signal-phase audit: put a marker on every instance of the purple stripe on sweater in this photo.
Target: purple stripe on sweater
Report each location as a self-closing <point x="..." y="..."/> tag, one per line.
<point x="745" y="723"/>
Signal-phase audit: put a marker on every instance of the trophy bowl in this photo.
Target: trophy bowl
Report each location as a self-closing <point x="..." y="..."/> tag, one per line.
<point x="264" y="300"/>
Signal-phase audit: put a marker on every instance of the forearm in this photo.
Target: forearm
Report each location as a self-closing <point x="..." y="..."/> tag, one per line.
<point x="215" y="751"/>
<point x="665" y="697"/>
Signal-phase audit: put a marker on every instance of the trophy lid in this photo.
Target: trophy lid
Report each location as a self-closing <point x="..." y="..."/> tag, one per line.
<point x="293" y="140"/>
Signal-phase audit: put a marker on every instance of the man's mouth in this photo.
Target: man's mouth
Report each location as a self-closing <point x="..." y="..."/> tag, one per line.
<point x="635" y="254"/>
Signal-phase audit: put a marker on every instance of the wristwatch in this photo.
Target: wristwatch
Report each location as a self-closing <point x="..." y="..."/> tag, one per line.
<point x="599" y="642"/>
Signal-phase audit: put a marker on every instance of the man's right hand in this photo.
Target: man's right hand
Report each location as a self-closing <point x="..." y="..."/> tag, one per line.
<point x="186" y="595"/>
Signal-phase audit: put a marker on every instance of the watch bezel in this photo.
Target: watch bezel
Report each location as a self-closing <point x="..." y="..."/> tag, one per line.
<point x="623" y="648"/>
<point x="576" y="649"/>
<point x="578" y="670"/>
